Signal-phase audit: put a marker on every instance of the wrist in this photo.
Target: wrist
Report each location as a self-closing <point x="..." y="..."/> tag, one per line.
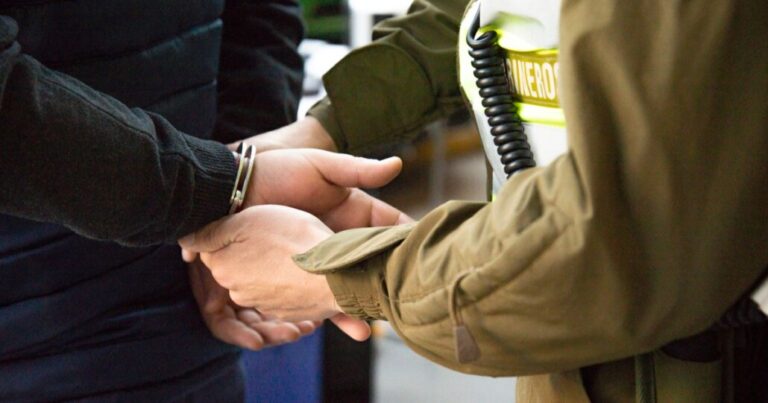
<point x="335" y="307"/>
<point x="315" y="135"/>
<point x="305" y="133"/>
<point x="245" y="159"/>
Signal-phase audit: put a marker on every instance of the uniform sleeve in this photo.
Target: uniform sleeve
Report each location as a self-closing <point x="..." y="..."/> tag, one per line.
<point x="386" y="92"/>
<point x="261" y="69"/>
<point x="645" y="232"/>
<point x="74" y="156"/>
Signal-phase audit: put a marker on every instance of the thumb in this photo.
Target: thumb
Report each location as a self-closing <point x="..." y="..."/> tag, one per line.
<point x="355" y="328"/>
<point x="213" y="236"/>
<point x="348" y="171"/>
<point x="188" y="256"/>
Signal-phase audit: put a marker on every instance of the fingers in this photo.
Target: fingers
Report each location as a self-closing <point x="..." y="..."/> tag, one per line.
<point x="246" y="328"/>
<point x="363" y="210"/>
<point x="227" y="328"/>
<point x="355" y="328"/>
<point x="220" y="318"/>
<point x="383" y="214"/>
<point x="188" y="256"/>
<point x="212" y="237"/>
<point x="307" y="326"/>
<point x="348" y="171"/>
<point x="217" y="298"/>
<point x="272" y="331"/>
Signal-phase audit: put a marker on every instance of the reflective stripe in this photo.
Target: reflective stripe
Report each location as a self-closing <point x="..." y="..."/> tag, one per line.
<point x="542" y="115"/>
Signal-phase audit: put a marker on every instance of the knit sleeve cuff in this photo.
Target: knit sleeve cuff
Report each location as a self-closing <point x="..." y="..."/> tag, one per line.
<point x="214" y="181"/>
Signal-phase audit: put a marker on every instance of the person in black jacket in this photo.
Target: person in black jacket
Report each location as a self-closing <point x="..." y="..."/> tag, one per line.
<point x="113" y="119"/>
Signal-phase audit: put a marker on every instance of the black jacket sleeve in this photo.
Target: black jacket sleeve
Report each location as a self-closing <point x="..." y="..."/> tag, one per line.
<point x="77" y="157"/>
<point x="261" y="70"/>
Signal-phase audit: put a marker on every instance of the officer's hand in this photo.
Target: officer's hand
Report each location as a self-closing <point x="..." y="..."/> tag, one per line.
<point x="250" y="254"/>
<point x="242" y="327"/>
<point x="324" y="184"/>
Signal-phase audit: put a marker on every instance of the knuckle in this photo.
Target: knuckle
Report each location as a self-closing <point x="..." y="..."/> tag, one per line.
<point x="238" y="298"/>
<point x="207" y="235"/>
<point x="281" y="315"/>
<point x="223" y="279"/>
<point x="210" y="260"/>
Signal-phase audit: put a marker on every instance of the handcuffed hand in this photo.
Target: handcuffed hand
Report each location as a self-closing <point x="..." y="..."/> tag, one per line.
<point x="324" y="184"/>
<point x="250" y="253"/>
<point x="242" y="327"/>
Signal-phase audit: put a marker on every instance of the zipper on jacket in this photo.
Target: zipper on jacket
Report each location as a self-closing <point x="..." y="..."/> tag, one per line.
<point x="466" y="347"/>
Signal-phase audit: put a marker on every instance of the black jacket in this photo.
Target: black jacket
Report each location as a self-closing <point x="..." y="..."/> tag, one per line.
<point x="99" y="103"/>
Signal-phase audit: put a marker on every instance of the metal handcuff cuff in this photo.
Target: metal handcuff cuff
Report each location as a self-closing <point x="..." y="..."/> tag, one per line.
<point x="245" y="157"/>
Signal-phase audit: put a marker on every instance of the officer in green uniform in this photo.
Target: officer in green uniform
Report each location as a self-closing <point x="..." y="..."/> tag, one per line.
<point x="645" y="230"/>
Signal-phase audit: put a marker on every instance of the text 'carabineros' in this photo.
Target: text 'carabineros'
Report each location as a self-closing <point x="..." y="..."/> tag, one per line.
<point x="534" y="75"/>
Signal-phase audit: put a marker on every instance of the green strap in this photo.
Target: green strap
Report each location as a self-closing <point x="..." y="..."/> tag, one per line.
<point x="645" y="378"/>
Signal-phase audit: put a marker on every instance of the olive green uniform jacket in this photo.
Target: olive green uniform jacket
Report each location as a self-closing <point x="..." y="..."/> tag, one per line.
<point x="650" y="226"/>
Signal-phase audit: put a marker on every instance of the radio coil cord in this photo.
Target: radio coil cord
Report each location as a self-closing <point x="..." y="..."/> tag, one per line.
<point x="497" y="93"/>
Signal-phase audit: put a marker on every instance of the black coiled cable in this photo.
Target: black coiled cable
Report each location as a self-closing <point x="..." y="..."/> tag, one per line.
<point x="488" y="61"/>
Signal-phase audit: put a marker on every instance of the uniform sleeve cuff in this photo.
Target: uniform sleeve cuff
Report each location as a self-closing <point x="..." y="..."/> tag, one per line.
<point x="354" y="262"/>
<point x="358" y="291"/>
<point x="362" y="124"/>
<point x="323" y="111"/>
